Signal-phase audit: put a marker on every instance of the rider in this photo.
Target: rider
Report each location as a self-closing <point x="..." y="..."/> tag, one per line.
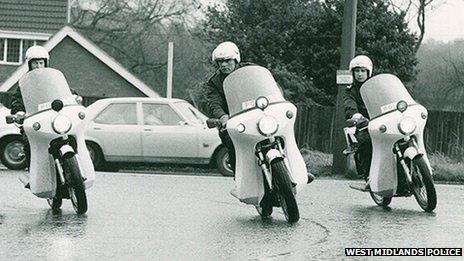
<point x="227" y="58"/>
<point x="36" y="57"/>
<point x="355" y="109"/>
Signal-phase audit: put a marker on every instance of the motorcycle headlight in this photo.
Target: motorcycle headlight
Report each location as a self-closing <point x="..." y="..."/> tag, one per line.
<point x="61" y="124"/>
<point x="268" y="125"/>
<point x="407" y="125"/>
<point x="262" y="102"/>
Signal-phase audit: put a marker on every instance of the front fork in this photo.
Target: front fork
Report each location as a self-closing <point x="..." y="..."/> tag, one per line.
<point x="411" y="142"/>
<point x="60" y="149"/>
<point x="265" y="164"/>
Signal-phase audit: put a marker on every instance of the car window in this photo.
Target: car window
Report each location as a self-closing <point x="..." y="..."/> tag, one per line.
<point x="118" y="114"/>
<point x="190" y="112"/>
<point x="159" y="114"/>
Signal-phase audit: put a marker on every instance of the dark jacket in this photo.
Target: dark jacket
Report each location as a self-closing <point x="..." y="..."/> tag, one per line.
<point x="17" y="103"/>
<point x="215" y="93"/>
<point x="353" y="102"/>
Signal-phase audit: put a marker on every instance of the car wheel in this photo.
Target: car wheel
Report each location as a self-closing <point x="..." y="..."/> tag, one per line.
<point x="10" y="153"/>
<point x="95" y="154"/>
<point x="222" y="162"/>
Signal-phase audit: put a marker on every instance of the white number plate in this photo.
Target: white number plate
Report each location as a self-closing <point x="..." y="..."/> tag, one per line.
<point x="388" y="107"/>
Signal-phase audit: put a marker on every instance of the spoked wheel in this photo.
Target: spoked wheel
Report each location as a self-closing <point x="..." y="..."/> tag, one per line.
<point x="285" y="190"/>
<point x="422" y="185"/>
<point x="76" y="186"/>
<point x="379" y="200"/>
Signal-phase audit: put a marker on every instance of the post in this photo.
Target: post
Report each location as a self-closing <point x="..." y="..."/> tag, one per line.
<point x="347" y="53"/>
<point x="169" y="74"/>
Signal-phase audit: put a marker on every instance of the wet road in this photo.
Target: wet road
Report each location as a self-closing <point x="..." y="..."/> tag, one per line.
<point x="147" y="217"/>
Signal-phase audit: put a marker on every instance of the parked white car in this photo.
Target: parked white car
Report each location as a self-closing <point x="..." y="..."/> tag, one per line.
<point x="157" y="130"/>
<point x="10" y="143"/>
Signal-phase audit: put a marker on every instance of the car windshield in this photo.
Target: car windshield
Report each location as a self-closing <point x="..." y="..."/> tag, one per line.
<point x="190" y="112"/>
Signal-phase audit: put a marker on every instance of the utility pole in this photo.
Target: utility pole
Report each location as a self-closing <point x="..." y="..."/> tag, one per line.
<point x="343" y="79"/>
<point x="169" y="74"/>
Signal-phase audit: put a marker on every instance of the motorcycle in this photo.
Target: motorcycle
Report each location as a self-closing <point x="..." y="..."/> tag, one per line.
<point x="60" y="165"/>
<point x="261" y="124"/>
<point x="399" y="166"/>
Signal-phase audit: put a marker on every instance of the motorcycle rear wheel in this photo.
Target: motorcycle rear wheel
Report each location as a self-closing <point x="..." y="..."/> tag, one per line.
<point x="55" y="203"/>
<point x="75" y="185"/>
<point x="422" y="185"/>
<point x="265" y="207"/>
<point x="284" y="188"/>
<point x="379" y="200"/>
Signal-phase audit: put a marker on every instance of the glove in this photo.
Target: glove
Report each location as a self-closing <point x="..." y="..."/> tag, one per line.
<point x="224" y="118"/>
<point x="357" y="116"/>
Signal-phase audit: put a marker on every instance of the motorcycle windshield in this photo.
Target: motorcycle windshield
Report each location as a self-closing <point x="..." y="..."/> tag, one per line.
<point x="381" y="93"/>
<point x="40" y="87"/>
<point x="243" y="86"/>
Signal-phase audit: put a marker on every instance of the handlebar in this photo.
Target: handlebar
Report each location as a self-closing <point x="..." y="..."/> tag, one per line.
<point x="359" y="123"/>
<point x="19" y="119"/>
<point x="213" y="123"/>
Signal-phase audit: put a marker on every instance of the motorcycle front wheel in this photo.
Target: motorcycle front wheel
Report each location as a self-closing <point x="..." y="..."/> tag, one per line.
<point x="75" y="185"/>
<point x="285" y="190"/>
<point x="422" y="185"/>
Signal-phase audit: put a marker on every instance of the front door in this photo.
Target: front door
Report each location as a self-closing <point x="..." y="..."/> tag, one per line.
<point x="165" y="134"/>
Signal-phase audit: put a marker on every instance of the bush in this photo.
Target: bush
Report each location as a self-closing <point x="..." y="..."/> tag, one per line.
<point x="318" y="163"/>
<point x="446" y="169"/>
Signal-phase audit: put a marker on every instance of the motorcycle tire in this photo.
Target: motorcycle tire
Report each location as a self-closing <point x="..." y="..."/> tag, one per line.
<point x="422" y="185"/>
<point x="284" y="188"/>
<point x="75" y="185"/>
<point x="379" y="200"/>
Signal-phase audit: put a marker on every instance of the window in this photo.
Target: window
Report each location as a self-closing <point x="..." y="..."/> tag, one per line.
<point x="118" y="114"/>
<point x="13" y="50"/>
<point x="190" y="112"/>
<point x="159" y="114"/>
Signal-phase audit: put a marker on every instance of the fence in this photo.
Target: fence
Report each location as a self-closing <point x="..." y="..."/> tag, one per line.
<point x="444" y="131"/>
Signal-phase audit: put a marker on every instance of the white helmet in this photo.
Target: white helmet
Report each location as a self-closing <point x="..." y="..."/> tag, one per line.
<point x="37" y="52"/>
<point x="362" y="61"/>
<point x="226" y="50"/>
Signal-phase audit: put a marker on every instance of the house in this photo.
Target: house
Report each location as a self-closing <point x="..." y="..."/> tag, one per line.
<point x="88" y="69"/>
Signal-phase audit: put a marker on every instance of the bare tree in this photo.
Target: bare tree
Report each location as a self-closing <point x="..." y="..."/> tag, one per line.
<point x="136" y="32"/>
<point x="416" y="10"/>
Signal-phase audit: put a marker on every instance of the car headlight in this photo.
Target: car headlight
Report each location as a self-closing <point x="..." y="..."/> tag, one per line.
<point x="61" y="124"/>
<point x="262" y="102"/>
<point x="268" y="125"/>
<point x="407" y="125"/>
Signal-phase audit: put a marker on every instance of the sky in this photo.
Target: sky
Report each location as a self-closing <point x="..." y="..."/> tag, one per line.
<point x="446" y="22"/>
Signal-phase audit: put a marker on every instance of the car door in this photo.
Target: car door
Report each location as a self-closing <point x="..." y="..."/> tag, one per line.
<point x="117" y="131"/>
<point x="166" y="135"/>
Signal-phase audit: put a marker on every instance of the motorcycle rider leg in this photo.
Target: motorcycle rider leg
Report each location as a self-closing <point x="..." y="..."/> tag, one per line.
<point x="227" y="141"/>
<point x="26" y="152"/>
<point x="365" y="154"/>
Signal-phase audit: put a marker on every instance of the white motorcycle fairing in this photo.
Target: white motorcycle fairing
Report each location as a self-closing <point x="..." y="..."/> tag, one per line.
<point x="381" y="94"/>
<point x="250" y="188"/>
<point x="242" y="88"/>
<point x="39" y="88"/>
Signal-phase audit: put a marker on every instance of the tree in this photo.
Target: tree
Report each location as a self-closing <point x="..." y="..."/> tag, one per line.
<point x="417" y="10"/>
<point x="304" y="37"/>
<point x="440" y="81"/>
<point x="136" y="34"/>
